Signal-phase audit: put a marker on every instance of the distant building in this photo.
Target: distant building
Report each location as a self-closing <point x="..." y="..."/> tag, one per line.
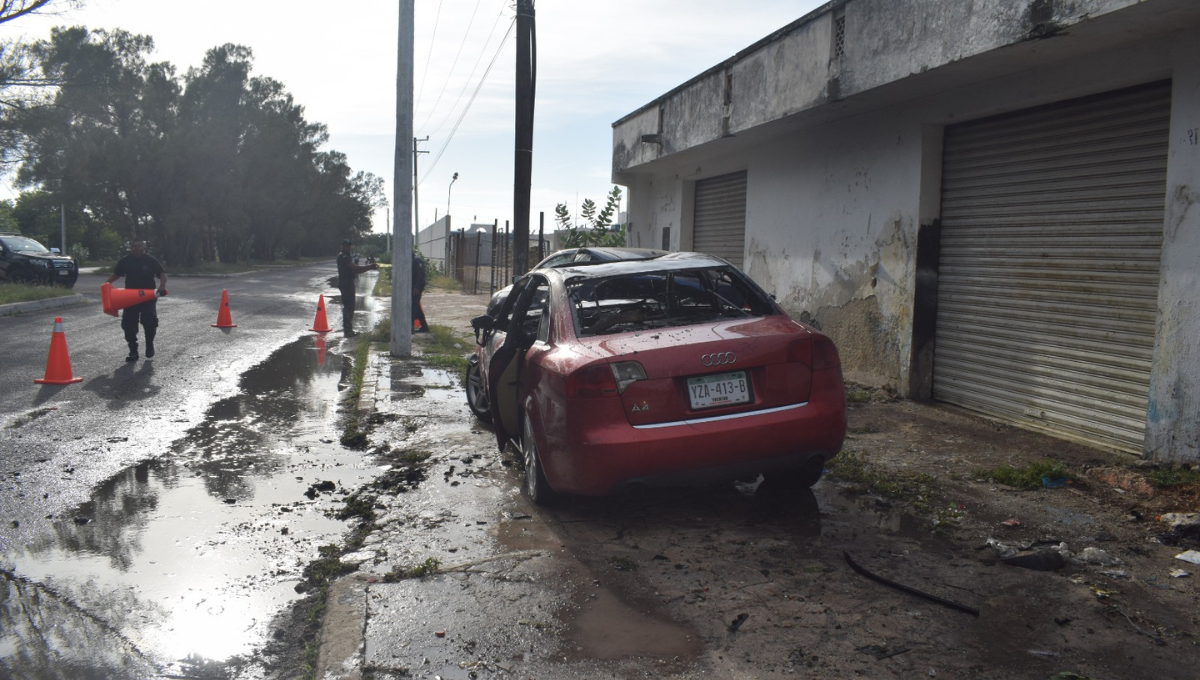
<point x="990" y="203"/>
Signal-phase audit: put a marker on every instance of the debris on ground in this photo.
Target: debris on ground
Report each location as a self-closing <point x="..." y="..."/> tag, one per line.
<point x="737" y="623"/>
<point x="1192" y="556"/>
<point x="911" y="591"/>
<point x="1097" y="557"/>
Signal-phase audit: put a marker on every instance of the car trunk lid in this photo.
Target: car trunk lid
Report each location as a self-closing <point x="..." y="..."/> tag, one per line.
<point x="709" y="370"/>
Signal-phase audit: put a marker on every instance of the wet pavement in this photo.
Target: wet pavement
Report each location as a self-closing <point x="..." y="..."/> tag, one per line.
<point x="177" y="566"/>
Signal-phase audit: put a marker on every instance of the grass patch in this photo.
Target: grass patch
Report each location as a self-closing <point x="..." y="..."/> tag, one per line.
<point x="916" y="489"/>
<point x="857" y="396"/>
<point x="427" y="568"/>
<point x="1027" y="476"/>
<point x="25" y="292"/>
<point x="383" y="283"/>
<point x="1169" y="477"/>
<point x="440" y="348"/>
<point x="445" y="349"/>
<point x="444" y="282"/>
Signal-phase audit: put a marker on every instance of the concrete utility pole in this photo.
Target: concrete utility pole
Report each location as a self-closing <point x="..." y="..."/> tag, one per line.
<point x="417" y="194"/>
<point x="523" y="171"/>
<point x="402" y="255"/>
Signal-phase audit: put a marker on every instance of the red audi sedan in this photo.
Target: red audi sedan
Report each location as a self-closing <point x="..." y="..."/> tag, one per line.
<point x="665" y="371"/>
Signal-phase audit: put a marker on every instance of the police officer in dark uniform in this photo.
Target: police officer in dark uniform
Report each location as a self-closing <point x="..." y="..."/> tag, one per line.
<point x="347" y="272"/>
<point x="140" y="270"/>
<point x="418" y="288"/>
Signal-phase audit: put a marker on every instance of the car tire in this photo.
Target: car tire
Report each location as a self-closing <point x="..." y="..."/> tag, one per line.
<point x="536" y="486"/>
<point x="477" y="399"/>
<point x="801" y="477"/>
<point x="22" y="275"/>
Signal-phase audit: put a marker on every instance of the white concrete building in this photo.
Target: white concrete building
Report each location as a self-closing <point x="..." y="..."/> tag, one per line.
<point x="990" y="203"/>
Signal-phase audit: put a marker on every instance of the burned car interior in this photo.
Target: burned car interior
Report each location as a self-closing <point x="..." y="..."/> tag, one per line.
<point x="652" y="300"/>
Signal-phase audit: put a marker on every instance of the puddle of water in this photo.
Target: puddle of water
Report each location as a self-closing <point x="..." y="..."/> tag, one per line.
<point x="606" y="628"/>
<point x="191" y="555"/>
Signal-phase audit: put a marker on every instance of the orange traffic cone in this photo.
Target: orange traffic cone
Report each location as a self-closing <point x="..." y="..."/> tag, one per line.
<point x="224" y="320"/>
<point x="320" y="325"/>
<point x="319" y="342"/>
<point x="114" y="300"/>
<point x="58" y="364"/>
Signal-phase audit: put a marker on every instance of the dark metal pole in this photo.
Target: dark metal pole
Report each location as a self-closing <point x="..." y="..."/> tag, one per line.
<point x="523" y="174"/>
<point x="541" y="236"/>
<point x="492" y="269"/>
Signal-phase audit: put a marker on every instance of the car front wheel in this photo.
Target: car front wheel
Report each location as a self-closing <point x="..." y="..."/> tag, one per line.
<point x="477" y="399"/>
<point x="536" y="486"/>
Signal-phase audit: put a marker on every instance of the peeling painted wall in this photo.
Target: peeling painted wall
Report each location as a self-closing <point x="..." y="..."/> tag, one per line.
<point x="837" y="188"/>
<point x="886" y="41"/>
<point x="855" y="280"/>
<point x="1173" y="416"/>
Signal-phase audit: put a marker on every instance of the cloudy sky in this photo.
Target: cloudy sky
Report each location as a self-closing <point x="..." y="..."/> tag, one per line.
<point x="597" y="61"/>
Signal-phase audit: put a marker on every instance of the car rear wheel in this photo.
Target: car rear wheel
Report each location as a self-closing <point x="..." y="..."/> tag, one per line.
<point x="801" y="477"/>
<point x="536" y="486"/>
<point x="477" y="399"/>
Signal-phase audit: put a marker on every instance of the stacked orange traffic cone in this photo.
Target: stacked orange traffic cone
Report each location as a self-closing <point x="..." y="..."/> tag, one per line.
<point x="320" y="325"/>
<point x="224" y="319"/>
<point x="58" y="364"/>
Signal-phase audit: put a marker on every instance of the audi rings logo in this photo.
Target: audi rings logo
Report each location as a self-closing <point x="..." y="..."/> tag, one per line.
<point x="718" y="359"/>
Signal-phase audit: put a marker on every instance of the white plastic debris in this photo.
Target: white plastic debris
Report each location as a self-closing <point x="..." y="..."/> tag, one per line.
<point x="1181" y="519"/>
<point x="1192" y="556"/>
<point x="1097" y="557"/>
<point x="1180" y="573"/>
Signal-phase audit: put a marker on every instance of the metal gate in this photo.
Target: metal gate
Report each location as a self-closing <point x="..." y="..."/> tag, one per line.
<point x="719" y="226"/>
<point x="1052" y="224"/>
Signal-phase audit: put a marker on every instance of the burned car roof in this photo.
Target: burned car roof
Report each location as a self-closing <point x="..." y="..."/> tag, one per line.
<point x="669" y="262"/>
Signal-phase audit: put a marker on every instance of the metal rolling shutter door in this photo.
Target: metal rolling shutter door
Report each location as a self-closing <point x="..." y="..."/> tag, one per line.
<point x="719" y="226"/>
<point x="1052" y="223"/>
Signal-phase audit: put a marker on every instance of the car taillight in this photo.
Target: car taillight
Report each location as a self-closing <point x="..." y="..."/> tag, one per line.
<point x="591" y="382"/>
<point x="824" y="354"/>
<point x="800" y="352"/>
<point x="626" y="373"/>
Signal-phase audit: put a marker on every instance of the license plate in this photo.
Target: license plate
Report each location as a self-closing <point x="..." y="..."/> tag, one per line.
<point x="722" y="389"/>
<point x="63" y="272"/>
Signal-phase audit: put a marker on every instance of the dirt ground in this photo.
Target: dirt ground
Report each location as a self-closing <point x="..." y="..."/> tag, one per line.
<point x="746" y="581"/>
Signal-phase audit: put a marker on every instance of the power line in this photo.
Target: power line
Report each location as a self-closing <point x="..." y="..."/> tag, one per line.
<point x="467" y="108"/>
<point x="432" y="39"/>
<point x="454" y="65"/>
<point x="470" y="78"/>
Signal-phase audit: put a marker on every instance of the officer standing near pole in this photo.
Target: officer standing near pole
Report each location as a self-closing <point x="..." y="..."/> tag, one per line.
<point x="140" y="270"/>
<point x="347" y="273"/>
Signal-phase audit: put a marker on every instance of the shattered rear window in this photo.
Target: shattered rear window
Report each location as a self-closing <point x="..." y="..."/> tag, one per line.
<point x="650" y="300"/>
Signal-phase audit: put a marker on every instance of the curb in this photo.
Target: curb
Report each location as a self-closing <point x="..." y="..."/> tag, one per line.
<point x="39" y="305"/>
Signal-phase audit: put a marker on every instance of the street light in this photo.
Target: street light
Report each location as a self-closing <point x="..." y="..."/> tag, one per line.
<point x="452" y="180"/>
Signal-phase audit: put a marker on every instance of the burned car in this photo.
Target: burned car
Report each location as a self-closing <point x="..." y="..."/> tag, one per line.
<point x="570" y="257"/>
<point x="672" y="370"/>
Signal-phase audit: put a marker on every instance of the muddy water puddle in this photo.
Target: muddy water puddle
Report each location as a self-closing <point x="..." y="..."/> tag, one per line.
<point x="180" y="563"/>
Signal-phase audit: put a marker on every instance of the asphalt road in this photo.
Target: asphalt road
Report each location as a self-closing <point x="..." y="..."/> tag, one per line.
<point x="57" y="442"/>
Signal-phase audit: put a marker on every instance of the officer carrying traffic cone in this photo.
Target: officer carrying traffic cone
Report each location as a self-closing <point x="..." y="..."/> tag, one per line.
<point x="140" y="271"/>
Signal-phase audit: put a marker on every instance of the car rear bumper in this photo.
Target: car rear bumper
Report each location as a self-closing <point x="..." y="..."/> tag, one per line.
<point x="602" y="459"/>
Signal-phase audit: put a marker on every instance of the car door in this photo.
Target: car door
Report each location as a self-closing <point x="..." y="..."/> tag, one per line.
<point x="506" y="368"/>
